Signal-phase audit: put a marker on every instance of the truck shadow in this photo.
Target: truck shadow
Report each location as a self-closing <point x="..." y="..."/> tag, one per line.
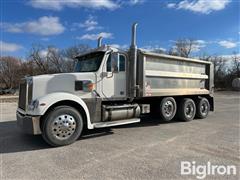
<point x="13" y="140"/>
<point x="148" y="120"/>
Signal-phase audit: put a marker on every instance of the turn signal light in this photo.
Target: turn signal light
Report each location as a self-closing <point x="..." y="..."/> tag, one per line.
<point x="91" y="86"/>
<point x="88" y="86"/>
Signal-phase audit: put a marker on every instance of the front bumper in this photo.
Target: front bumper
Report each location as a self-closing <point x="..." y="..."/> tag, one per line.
<point x="28" y="124"/>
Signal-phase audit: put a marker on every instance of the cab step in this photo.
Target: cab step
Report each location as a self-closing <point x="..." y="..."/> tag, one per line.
<point x="116" y="123"/>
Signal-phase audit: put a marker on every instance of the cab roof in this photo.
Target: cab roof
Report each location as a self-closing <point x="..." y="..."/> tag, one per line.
<point x="103" y="48"/>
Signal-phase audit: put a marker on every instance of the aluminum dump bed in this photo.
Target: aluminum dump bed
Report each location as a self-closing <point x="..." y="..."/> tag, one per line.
<point x="165" y="75"/>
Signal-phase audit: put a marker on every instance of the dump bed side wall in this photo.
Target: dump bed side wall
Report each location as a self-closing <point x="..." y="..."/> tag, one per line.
<point x="163" y="75"/>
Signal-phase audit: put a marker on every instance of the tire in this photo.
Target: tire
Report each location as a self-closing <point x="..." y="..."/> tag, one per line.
<point x="187" y="109"/>
<point x="62" y="126"/>
<point x="203" y="108"/>
<point x="168" y="109"/>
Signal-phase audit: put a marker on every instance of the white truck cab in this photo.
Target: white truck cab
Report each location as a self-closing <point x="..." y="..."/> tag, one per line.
<point x="112" y="87"/>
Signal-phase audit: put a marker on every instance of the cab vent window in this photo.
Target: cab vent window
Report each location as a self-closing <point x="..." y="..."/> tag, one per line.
<point x="109" y="69"/>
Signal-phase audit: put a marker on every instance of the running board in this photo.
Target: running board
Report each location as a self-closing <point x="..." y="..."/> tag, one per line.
<point x="115" y="123"/>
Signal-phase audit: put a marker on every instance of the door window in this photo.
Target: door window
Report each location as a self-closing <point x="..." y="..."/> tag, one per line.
<point x="121" y="64"/>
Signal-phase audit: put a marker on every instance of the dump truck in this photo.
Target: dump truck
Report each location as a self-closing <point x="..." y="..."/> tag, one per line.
<point x="111" y="87"/>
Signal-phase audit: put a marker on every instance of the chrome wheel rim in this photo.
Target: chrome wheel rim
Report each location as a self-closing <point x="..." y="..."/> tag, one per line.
<point x="168" y="108"/>
<point x="189" y="110"/>
<point x="204" y="108"/>
<point x="63" y="126"/>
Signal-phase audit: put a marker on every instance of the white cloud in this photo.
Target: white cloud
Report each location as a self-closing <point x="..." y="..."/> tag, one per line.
<point x="45" y="39"/>
<point x="9" y="47"/>
<point x="153" y="48"/>
<point x="200" y="6"/>
<point x="196" y="48"/>
<point x="229" y="56"/>
<point x="199" y="41"/>
<point x="43" y="53"/>
<point x="171" y="5"/>
<point x="105" y="35"/>
<point x="198" y="45"/>
<point x="134" y="2"/>
<point x="60" y="4"/>
<point x="89" y="24"/>
<point x="227" y="44"/>
<point x="124" y="46"/>
<point x="45" y="26"/>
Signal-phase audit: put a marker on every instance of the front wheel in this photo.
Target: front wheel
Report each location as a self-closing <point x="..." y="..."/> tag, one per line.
<point x="62" y="126"/>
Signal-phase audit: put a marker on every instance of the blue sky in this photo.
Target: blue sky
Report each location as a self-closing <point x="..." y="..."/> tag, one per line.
<point x="213" y="23"/>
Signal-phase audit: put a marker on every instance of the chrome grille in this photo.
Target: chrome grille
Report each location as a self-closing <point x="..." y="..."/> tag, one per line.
<point x="22" y="95"/>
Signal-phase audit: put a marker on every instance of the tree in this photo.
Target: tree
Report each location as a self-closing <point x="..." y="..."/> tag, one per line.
<point x="220" y="71"/>
<point x="70" y="53"/>
<point x="159" y="51"/>
<point x="9" y="71"/>
<point x="183" y="47"/>
<point x="28" y="68"/>
<point x="73" y="51"/>
<point x="41" y="60"/>
<point x="235" y="65"/>
<point x="53" y="60"/>
<point x="38" y="57"/>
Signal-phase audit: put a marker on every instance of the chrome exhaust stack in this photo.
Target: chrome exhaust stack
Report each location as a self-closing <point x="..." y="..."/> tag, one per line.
<point x="134" y="35"/>
<point x="133" y="64"/>
<point x="100" y="41"/>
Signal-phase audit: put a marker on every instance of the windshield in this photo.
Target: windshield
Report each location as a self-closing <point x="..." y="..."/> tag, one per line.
<point x="89" y="63"/>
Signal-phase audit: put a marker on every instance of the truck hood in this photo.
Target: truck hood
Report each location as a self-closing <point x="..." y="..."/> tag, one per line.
<point x="63" y="82"/>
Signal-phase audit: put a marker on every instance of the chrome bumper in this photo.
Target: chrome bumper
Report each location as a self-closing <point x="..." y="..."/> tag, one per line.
<point x="28" y="124"/>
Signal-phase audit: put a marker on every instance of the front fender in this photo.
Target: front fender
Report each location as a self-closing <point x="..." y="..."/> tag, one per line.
<point x="45" y="102"/>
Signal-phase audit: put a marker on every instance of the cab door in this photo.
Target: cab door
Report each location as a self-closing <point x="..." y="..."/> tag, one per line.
<point x="114" y="76"/>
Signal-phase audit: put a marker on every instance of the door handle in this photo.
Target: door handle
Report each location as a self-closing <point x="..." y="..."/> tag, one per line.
<point x="107" y="74"/>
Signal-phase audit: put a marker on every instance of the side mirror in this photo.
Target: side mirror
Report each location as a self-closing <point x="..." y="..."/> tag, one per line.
<point x="115" y="62"/>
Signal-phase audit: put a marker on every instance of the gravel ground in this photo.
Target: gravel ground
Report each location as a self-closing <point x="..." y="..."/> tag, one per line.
<point x="148" y="150"/>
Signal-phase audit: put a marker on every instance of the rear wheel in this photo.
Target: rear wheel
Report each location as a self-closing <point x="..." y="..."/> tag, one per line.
<point x="168" y="108"/>
<point x="62" y="126"/>
<point x="203" y="108"/>
<point x="187" y="109"/>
